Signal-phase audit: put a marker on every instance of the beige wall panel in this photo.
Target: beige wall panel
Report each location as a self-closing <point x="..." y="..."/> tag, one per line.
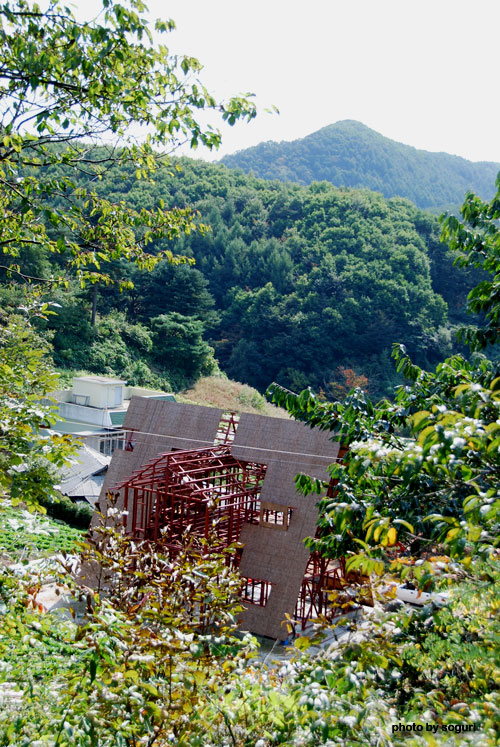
<point x="287" y="447"/>
<point x="263" y="439"/>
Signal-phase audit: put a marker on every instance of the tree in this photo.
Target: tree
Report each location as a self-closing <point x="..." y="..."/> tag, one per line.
<point x="178" y="346"/>
<point x="434" y="449"/>
<point x="477" y="242"/>
<point x="29" y="452"/>
<point x="64" y="86"/>
<point x="169" y="287"/>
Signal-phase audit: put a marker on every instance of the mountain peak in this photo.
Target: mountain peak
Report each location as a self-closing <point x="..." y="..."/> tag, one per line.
<point x="348" y="153"/>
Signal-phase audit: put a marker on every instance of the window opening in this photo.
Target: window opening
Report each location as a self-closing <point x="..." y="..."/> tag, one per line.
<point x="227" y="428"/>
<point x="255" y="591"/>
<point x="275" y="516"/>
<point x="109" y="443"/>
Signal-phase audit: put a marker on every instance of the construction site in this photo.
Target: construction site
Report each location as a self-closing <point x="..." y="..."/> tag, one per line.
<point x="231" y="480"/>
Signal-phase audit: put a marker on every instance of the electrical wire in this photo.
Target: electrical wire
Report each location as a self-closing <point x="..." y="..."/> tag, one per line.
<point x="330" y="457"/>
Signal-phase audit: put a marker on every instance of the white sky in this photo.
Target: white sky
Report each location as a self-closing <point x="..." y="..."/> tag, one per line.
<point x="423" y="72"/>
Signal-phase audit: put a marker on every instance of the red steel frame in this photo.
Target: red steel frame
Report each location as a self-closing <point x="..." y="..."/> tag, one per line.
<point x="206" y="490"/>
<point x="255" y="591"/>
<point x="322" y="576"/>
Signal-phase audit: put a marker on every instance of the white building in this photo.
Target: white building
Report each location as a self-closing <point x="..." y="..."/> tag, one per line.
<point x="94" y="410"/>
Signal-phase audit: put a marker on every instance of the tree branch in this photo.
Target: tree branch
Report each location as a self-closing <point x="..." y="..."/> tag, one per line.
<point x="28" y="277"/>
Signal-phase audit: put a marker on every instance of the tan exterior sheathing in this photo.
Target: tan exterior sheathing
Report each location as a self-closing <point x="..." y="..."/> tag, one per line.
<point x="175" y="424"/>
<point x="269" y="553"/>
<point x="263" y="439"/>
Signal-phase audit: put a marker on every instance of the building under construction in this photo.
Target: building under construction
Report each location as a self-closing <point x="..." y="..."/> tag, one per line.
<point x="232" y="480"/>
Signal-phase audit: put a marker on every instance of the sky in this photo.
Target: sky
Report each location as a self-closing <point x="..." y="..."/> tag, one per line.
<point x="422" y="72"/>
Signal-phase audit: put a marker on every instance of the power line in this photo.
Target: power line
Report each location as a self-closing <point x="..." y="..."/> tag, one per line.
<point x="330" y="457"/>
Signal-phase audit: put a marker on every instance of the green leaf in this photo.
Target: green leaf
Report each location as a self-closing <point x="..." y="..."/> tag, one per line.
<point x="131" y="674"/>
<point x="302" y="643"/>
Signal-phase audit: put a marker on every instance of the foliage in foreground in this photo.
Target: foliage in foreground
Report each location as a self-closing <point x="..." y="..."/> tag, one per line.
<point x="155" y="661"/>
<point x="147" y="659"/>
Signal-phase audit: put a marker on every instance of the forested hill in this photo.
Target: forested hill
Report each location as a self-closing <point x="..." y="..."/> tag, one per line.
<point x="302" y="285"/>
<point x="349" y="154"/>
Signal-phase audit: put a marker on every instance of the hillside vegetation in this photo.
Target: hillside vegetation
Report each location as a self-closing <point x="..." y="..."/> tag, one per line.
<point x="230" y="396"/>
<point x="349" y="154"/>
<point x="302" y="285"/>
<point x="292" y="280"/>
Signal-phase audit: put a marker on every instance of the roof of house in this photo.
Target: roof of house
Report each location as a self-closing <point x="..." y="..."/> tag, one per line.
<point x="89" y="489"/>
<point x="85" y="476"/>
<point x="99" y="380"/>
<point x="117" y="416"/>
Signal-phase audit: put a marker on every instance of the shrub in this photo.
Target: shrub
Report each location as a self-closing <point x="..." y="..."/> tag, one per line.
<point x="63" y="508"/>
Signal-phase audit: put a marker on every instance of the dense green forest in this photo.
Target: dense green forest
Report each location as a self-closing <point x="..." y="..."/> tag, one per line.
<point x="302" y="285"/>
<point x="349" y="154"/>
<point x="150" y="652"/>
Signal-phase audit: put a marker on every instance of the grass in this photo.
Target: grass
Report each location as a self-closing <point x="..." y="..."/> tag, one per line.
<point x="230" y="396"/>
<point x="29" y="535"/>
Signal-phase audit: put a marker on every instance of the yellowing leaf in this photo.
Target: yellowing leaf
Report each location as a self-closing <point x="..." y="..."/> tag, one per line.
<point x="391" y="536"/>
<point x="302" y="643"/>
<point x="200" y="677"/>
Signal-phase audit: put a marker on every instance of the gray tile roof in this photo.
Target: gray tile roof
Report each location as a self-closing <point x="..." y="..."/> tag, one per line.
<point x="85" y="476"/>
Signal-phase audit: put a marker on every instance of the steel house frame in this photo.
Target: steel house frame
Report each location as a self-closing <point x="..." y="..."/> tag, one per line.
<point x="212" y="494"/>
<point x="207" y="491"/>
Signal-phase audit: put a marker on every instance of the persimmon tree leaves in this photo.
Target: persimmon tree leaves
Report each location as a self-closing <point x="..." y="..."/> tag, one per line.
<point x="477" y="243"/>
